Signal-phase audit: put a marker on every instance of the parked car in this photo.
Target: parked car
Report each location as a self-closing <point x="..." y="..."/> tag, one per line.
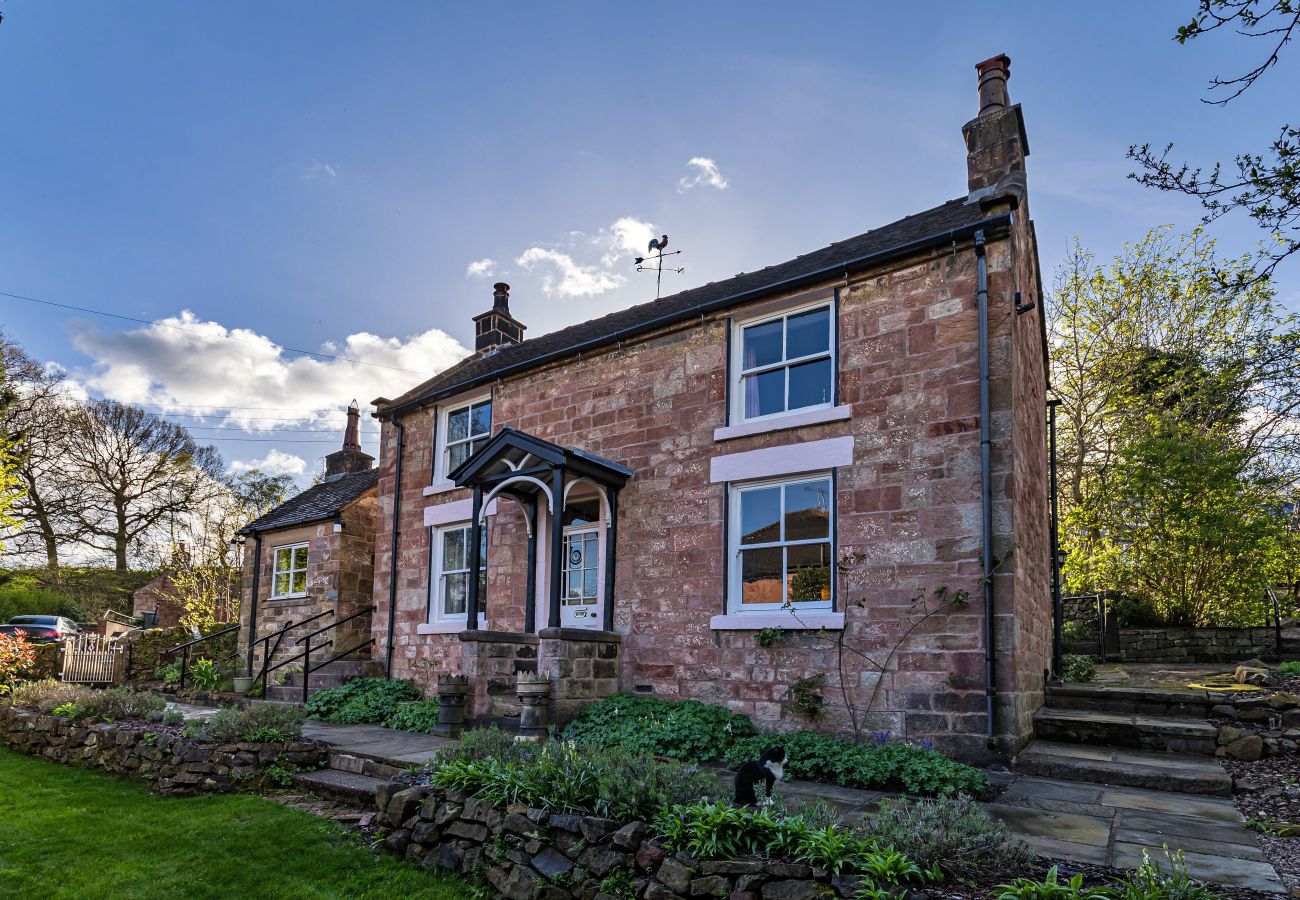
<point x="42" y="629"/>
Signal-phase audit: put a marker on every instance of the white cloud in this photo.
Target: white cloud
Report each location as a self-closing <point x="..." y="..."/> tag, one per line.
<point x="481" y="268"/>
<point x="706" y="174"/>
<point x="628" y="236"/>
<point x="319" y="169"/>
<point x="185" y="365"/>
<point x="566" y="277"/>
<point x="275" y="462"/>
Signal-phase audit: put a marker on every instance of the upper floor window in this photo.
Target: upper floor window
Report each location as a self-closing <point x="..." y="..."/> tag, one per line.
<point x="780" y="544"/>
<point x="464" y="429"/>
<point x="783" y="363"/>
<point x="290" y="574"/>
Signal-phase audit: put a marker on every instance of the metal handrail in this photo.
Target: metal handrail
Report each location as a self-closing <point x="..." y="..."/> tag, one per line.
<point x="269" y="652"/>
<point x="185" y="657"/>
<point x="308" y="668"/>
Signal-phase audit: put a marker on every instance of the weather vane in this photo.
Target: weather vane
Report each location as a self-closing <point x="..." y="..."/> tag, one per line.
<point x="654" y="262"/>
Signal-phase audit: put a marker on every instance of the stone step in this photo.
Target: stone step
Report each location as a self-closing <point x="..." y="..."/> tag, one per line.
<point x="346" y="787"/>
<point x="1185" y="773"/>
<point x="1194" y="704"/>
<point x="364" y="764"/>
<point x="1123" y="729"/>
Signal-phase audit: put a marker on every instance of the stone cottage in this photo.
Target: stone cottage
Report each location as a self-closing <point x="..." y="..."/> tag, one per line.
<point x="310" y="563"/>
<point x="699" y="496"/>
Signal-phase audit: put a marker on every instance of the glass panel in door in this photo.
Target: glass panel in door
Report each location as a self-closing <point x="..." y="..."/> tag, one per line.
<point x="580" y="586"/>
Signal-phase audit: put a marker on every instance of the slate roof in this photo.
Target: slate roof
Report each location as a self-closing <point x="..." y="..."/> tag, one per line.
<point x="935" y="226"/>
<point x="321" y="501"/>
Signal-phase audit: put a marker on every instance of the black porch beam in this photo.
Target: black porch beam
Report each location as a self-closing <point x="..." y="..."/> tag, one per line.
<point x="557" y="544"/>
<point x="475" y="564"/>
<point x="611" y="545"/>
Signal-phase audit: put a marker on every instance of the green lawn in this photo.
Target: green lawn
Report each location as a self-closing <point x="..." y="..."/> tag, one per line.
<point x="68" y="832"/>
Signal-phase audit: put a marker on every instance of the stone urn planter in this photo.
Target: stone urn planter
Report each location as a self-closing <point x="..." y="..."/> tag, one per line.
<point x="243" y="683"/>
<point x="534" y="695"/>
<point x="451" y="705"/>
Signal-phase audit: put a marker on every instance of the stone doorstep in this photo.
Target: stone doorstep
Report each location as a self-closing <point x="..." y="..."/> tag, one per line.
<point x="347" y="787"/>
<point x="365" y="764"/>
<point x="1126" y="729"/>
<point x="1162" y="770"/>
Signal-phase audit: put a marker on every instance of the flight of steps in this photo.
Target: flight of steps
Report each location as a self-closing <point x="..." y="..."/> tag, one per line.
<point x="1131" y="737"/>
<point x="349" y="778"/>
<point x="333" y="675"/>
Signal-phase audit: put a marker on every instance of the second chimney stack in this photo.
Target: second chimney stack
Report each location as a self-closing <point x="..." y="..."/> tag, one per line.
<point x="497" y="327"/>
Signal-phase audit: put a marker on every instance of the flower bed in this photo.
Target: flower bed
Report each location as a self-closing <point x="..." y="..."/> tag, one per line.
<point x="125" y="732"/>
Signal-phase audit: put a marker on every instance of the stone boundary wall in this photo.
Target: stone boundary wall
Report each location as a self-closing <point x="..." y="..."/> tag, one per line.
<point x="530" y="854"/>
<point x="172" y="764"/>
<point x="1208" y="645"/>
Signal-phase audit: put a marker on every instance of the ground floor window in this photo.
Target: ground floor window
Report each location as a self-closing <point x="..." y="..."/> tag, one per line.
<point x="780" y="544"/>
<point x="449" y="581"/>
<point x="290" y="576"/>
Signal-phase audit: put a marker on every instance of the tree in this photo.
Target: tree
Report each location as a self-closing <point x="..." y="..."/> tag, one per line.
<point x="136" y="473"/>
<point x="10" y="486"/>
<point x="34" y="422"/>
<point x="1265" y="186"/>
<point x="257" y="493"/>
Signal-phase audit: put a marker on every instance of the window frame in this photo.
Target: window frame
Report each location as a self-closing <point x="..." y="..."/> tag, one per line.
<point x="735" y="589"/>
<point x="738" y="372"/>
<point x="441" y="460"/>
<point x="436" y="613"/>
<point x="276" y="571"/>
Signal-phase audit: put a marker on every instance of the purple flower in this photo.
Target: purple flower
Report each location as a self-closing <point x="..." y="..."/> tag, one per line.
<point x="927" y="744"/>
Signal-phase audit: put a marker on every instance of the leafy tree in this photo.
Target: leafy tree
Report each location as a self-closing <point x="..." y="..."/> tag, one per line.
<point x="1263" y="185"/>
<point x="10" y="486"/>
<point x="257" y="493"/>
<point x="135" y="473"/>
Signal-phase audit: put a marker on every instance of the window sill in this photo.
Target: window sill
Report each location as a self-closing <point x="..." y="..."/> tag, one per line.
<point x="287" y="596"/>
<point x="450" y="626"/>
<point x="754" y="621"/>
<point x="440" y="487"/>
<point x="781" y="423"/>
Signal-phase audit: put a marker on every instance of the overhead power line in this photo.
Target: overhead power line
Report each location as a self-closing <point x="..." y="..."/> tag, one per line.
<point x="228" y="337"/>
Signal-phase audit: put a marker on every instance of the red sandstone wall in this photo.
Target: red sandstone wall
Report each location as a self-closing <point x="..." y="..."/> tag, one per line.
<point x="910" y="506"/>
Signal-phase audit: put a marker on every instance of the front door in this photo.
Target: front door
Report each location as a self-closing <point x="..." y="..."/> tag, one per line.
<point x="580" y="586"/>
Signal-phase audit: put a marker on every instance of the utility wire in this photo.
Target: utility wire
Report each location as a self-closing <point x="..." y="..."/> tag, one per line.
<point x="99" y="312"/>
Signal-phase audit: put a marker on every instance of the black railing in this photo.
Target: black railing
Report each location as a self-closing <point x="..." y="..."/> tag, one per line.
<point x="308" y="668"/>
<point x="185" y="655"/>
<point x="269" y="650"/>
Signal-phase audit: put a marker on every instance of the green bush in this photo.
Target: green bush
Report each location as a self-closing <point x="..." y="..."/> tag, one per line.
<point x="204" y="675"/>
<point x="20" y="599"/>
<point x="1050" y="888"/>
<point x="44" y="695"/>
<point x="686" y="730"/>
<point x="1288" y="669"/>
<point x="170" y="673"/>
<point x="361" y="700"/>
<point x="257" y="722"/>
<point x="1077" y="668"/>
<point x="815" y="757"/>
<point x="949" y="833"/>
<point x="1149" y="882"/>
<point x="419" y="716"/>
<point x="560" y="777"/>
<point x="119" y="703"/>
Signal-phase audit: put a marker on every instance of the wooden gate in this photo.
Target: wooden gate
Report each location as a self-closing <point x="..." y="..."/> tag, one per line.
<point x="90" y="659"/>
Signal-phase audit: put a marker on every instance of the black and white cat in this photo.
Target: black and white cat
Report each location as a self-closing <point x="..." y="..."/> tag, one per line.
<point x="769" y="769"/>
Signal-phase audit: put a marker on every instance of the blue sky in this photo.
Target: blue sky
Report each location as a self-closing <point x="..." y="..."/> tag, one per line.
<point x="322" y="175"/>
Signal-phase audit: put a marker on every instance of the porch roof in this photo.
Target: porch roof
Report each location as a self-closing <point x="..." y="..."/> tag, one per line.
<point x="512" y="453"/>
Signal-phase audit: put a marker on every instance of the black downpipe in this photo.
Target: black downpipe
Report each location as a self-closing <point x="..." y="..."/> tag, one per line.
<point x="1058" y="606"/>
<point x="252" y="606"/>
<point x="392" y="562"/>
<point x="986" y="480"/>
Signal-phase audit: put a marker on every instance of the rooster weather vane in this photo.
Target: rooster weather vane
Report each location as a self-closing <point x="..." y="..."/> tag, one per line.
<point x="653" y="261"/>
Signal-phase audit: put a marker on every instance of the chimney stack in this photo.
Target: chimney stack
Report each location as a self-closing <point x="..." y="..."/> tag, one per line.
<point x="497" y="327"/>
<point x="996" y="145"/>
<point x="351" y="458"/>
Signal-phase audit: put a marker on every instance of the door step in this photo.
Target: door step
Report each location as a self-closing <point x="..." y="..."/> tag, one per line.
<point x="351" y="788"/>
<point x="1194" y="704"/>
<point x="1125" y="729"/>
<point x="1186" y="773"/>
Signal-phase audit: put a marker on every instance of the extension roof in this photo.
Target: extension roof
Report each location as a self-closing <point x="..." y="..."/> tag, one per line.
<point x="913" y="234"/>
<point x="322" y="501"/>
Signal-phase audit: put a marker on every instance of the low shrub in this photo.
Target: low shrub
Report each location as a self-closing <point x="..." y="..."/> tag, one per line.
<point x="1288" y="669"/>
<point x="950" y="833"/>
<point x="817" y="757"/>
<point x="1077" y="668"/>
<point x="258" y="723"/>
<point x="21" y="599"/>
<point x="419" y="716"/>
<point x="1050" y="888"/>
<point x="17" y="655"/>
<point x="42" y="696"/>
<point x="685" y="730"/>
<point x="560" y="777"/>
<point x="720" y="830"/>
<point x="1147" y="882"/>
<point x="361" y="700"/>
<point x="169" y="673"/>
<point x="119" y="703"/>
